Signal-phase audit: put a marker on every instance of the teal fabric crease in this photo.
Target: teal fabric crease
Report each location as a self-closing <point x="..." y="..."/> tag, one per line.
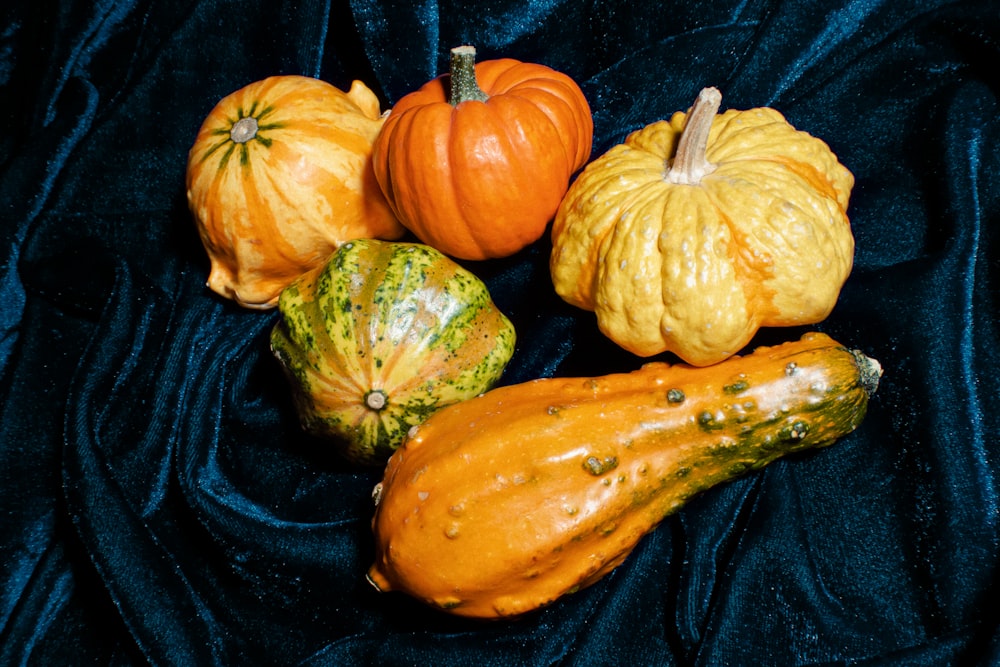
<point x="161" y="505"/>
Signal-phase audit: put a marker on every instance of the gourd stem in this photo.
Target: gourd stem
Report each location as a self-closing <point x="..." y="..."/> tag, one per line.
<point x="463" y="77"/>
<point x="869" y="371"/>
<point x="690" y="163"/>
<point x="243" y="130"/>
<point x="376" y="399"/>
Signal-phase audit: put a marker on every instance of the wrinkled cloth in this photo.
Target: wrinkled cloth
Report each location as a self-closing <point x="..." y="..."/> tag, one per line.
<point x="161" y="505"/>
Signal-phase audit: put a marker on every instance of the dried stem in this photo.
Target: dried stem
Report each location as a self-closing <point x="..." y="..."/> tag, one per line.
<point x="463" y="77"/>
<point x="690" y="163"/>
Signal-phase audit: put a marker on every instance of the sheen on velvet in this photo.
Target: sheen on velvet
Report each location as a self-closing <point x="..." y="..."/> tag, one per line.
<point x="160" y="505"/>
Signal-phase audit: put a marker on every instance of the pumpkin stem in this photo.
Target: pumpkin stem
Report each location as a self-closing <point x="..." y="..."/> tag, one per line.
<point x="690" y="163"/>
<point x="463" y="77"/>
<point x="243" y="130"/>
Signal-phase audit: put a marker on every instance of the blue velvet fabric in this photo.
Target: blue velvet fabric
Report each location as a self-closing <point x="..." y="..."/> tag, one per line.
<point x="159" y="504"/>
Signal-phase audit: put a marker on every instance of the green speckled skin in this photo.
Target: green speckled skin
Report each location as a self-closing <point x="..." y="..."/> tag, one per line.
<point x="399" y="320"/>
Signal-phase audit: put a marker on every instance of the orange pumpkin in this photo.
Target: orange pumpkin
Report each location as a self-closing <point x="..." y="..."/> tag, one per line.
<point x="502" y="503"/>
<point x="476" y="161"/>
<point x="278" y="177"/>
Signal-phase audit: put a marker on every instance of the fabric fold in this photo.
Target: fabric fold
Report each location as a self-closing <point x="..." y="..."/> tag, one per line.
<point x="161" y="505"/>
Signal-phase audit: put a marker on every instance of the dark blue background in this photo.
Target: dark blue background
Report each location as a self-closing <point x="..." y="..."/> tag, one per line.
<point x="158" y="503"/>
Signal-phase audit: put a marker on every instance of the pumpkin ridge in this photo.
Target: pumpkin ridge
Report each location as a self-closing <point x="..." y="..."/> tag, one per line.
<point x="540" y="167"/>
<point x="632" y="304"/>
<point x="224" y="140"/>
<point x="440" y="352"/>
<point x="493" y="75"/>
<point x="555" y="90"/>
<point x="737" y="134"/>
<point x="241" y="110"/>
<point x="718" y="319"/>
<point x="576" y="281"/>
<point x="807" y="174"/>
<point x="361" y="351"/>
<point x="555" y="155"/>
<point x="264" y="113"/>
<point x="469" y="184"/>
<point x="309" y="372"/>
<point x="632" y="210"/>
<point x="418" y="209"/>
<point x="339" y="385"/>
<point x="213" y="185"/>
<point x="751" y="271"/>
<point x="285" y="91"/>
<point x="785" y="243"/>
<point x="433" y="92"/>
<point x="501" y="226"/>
<point x="343" y="133"/>
<point x="386" y="354"/>
<point x="439" y="343"/>
<point x="252" y="282"/>
<point x="815" y="178"/>
<point x="742" y="141"/>
<point x="293" y="256"/>
<point x="524" y="75"/>
<point x="267" y="88"/>
<point x="231" y="147"/>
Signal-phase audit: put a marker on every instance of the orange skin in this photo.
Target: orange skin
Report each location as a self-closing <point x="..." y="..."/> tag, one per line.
<point x="274" y="200"/>
<point x="483" y="179"/>
<point x="501" y="504"/>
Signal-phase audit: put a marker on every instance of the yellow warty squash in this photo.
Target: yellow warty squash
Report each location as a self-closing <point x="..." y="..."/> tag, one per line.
<point x="697" y="231"/>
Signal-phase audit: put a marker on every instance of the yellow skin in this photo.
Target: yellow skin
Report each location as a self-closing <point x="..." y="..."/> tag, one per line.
<point x="750" y="231"/>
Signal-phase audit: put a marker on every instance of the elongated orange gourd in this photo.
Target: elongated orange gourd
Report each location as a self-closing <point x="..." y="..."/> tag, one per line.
<point x="503" y="503"/>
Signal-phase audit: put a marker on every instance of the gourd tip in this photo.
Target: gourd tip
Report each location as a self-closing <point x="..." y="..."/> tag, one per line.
<point x="378" y="582"/>
<point x="711" y="94"/>
<point x="376" y="399"/>
<point x="869" y="371"/>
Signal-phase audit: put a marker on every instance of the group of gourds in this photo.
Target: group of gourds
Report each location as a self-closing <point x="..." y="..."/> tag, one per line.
<point x="686" y="238"/>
